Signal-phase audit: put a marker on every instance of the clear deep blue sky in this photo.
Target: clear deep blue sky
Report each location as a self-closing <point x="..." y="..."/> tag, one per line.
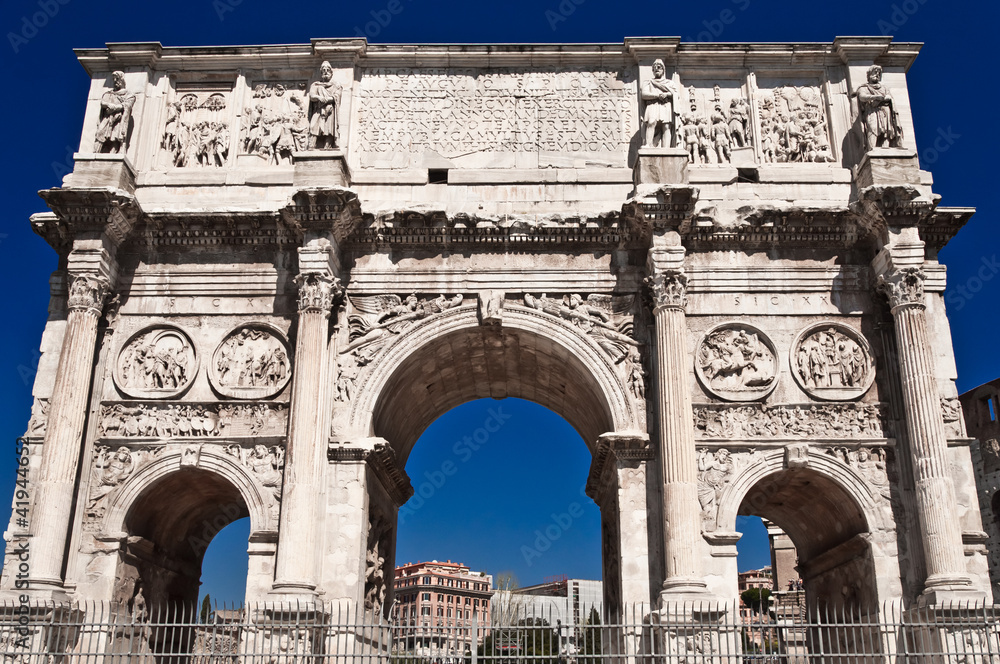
<point x="536" y="465"/>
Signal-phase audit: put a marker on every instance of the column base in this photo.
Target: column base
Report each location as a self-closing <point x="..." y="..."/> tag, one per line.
<point x="292" y="591"/>
<point x="678" y="591"/>
<point x="953" y="596"/>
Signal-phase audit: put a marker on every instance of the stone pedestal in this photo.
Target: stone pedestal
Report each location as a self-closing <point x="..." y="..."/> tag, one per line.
<point x="888" y="166"/>
<point x="742" y="157"/>
<point x="102" y="170"/>
<point x="320" y="168"/>
<point x="660" y="166"/>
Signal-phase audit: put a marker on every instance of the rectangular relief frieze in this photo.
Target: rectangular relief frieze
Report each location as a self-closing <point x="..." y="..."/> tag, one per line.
<point x="165" y="420"/>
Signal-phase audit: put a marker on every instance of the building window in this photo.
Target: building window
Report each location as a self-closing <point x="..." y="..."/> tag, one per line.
<point x="427" y="580"/>
<point x="440" y="612"/>
<point x="449" y="613"/>
<point x="425" y="610"/>
<point x="427" y="597"/>
<point x="440" y="598"/>
<point x="466" y="614"/>
<point x="467" y="601"/>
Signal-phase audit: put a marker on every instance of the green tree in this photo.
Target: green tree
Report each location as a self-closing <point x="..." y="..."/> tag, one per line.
<point x="592" y="644"/>
<point x="757" y="600"/>
<point x="206" y="609"/>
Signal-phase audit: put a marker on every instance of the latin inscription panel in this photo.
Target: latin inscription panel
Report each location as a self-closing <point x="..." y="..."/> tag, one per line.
<point x="501" y="118"/>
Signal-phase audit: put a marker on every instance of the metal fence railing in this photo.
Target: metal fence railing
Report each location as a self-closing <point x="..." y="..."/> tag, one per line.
<point x="692" y="633"/>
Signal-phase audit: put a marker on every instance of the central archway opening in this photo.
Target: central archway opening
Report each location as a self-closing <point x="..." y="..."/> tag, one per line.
<point x="496" y="427"/>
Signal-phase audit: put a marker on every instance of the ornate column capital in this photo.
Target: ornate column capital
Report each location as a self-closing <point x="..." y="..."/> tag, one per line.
<point x="668" y="289"/>
<point x="318" y="292"/>
<point x="903" y="287"/>
<point x="87" y="292"/>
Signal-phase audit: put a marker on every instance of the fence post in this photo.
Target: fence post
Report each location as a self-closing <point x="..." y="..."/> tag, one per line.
<point x="475" y="639"/>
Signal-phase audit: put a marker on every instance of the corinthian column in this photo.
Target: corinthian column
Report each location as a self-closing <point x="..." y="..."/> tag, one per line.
<point x="64" y="433"/>
<point x="935" y="490"/>
<point x="678" y="461"/>
<point x="296" y="569"/>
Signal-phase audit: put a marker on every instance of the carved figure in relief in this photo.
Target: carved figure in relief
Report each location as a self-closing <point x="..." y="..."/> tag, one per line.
<point x="183" y="421"/>
<point x="636" y="373"/>
<point x="252" y="358"/>
<point x="375" y="586"/>
<point x="951" y="409"/>
<point x="110" y="470"/>
<point x="116" y="111"/>
<point x="879" y="117"/>
<point x="39" y="417"/>
<point x="721" y="139"/>
<point x="830" y="358"/>
<point x="324" y="102"/>
<point x="602" y="317"/>
<point x="266" y="464"/>
<point x="159" y="360"/>
<point x="734" y="359"/>
<point x="346" y="376"/>
<point x="690" y="133"/>
<point x="659" y="95"/>
<point x="197" y="133"/>
<point x="276" y="126"/>
<point x="758" y="421"/>
<point x="385" y="315"/>
<point x="739" y="122"/>
<point x="714" y="471"/>
<point x="793" y="126"/>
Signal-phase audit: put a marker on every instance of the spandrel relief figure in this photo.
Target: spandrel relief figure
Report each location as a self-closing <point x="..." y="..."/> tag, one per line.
<point x="382" y="316"/>
<point x="734" y="362"/>
<point x="659" y="95"/>
<point x="879" y="117"/>
<point x="714" y="472"/>
<point x="324" y="104"/>
<point x="603" y="317"/>
<point x="116" y="111"/>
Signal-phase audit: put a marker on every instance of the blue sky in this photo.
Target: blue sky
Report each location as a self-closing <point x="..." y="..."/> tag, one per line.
<point x="536" y="465"/>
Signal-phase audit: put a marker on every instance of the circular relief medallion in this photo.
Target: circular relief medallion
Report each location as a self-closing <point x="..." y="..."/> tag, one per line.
<point x="251" y="363"/>
<point x="833" y="362"/>
<point x="156" y="363"/>
<point x="736" y="362"/>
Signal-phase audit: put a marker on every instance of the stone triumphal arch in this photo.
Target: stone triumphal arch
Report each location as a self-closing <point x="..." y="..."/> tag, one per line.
<point x="279" y="264"/>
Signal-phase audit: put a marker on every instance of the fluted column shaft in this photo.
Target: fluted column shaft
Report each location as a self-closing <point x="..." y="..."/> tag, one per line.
<point x="935" y="488"/>
<point x="678" y="460"/>
<point x="296" y="568"/>
<point x="64" y="433"/>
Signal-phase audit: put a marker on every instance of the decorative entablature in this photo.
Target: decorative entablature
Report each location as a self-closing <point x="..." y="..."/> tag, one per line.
<point x="378" y="454"/>
<point x="111" y="212"/>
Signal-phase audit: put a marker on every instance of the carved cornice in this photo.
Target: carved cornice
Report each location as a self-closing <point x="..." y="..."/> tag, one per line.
<point x="318" y="292"/>
<point x="938" y="228"/>
<point x="438" y="230"/>
<point x="214" y="229"/>
<point x="767" y="227"/>
<point x="880" y="207"/>
<point x="381" y="460"/>
<point x="612" y="448"/>
<point x="667" y="208"/>
<point x="668" y="289"/>
<point x="87" y="293"/>
<point x="113" y="212"/>
<point x="333" y="210"/>
<point x="903" y="287"/>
